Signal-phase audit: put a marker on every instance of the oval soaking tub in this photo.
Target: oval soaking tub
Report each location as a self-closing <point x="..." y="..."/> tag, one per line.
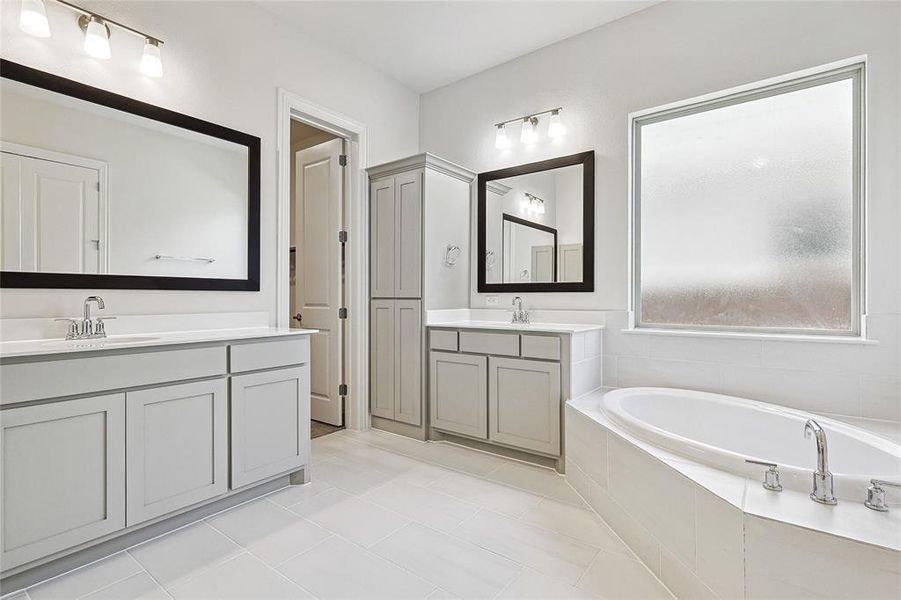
<point x="724" y="431"/>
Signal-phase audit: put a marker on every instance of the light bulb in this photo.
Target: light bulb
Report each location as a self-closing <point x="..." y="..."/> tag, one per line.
<point x="540" y="207"/>
<point x="528" y="135"/>
<point x="555" y="128"/>
<point x="501" y="142"/>
<point x="33" y="18"/>
<point x="151" y="60"/>
<point x="96" y="38"/>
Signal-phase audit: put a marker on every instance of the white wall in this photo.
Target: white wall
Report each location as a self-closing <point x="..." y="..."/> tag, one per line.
<point x="223" y="62"/>
<point x="673" y="51"/>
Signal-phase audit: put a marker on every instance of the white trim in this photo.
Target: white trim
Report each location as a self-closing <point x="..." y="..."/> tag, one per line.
<point x="103" y="194"/>
<point x="356" y="216"/>
<point x="737" y="335"/>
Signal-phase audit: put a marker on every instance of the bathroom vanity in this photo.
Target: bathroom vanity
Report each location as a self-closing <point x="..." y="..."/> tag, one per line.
<point x="502" y="386"/>
<point x="105" y="441"/>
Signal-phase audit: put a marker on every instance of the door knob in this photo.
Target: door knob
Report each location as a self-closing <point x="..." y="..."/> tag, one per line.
<point x="298" y="317"/>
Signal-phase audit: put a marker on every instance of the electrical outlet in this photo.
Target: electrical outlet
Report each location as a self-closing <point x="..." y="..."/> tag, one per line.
<point x="491" y="300"/>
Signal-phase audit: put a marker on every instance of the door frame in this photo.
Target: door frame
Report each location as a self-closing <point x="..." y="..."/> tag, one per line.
<point x="356" y="215"/>
<point x="75" y="160"/>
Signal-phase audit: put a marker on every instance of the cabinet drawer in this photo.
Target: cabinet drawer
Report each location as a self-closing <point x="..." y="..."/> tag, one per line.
<point x="504" y="344"/>
<point x="70" y="376"/>
<point x="443" y="340"/>
<point x="541" y="346"/>
<point x="269" y="354"/>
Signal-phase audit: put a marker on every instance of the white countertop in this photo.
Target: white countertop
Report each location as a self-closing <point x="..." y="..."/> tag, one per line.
<point x="44" y="347"/>
<point x="507" y="326"/>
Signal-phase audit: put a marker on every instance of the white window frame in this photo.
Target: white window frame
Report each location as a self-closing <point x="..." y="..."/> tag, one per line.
<point x="853" y="69"/>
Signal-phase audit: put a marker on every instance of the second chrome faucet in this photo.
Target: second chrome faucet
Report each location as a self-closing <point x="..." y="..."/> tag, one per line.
<point x="823" y="490"/>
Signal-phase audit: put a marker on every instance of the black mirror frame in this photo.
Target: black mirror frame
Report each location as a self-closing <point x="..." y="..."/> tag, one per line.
<point x="586" y="159"/>
<point x="525" y="223"/>
<point x="61" y="85"/>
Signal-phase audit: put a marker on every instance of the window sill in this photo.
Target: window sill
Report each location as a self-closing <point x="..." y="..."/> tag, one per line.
<point x="736" y="335"/>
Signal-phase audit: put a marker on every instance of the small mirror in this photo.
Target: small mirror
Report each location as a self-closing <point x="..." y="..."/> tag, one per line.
<point x="536" y="227"/>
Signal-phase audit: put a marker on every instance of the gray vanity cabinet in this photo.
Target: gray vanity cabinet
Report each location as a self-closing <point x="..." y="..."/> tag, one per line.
<point x="62" y="473"/>
<point x="177" y="447"/>
<point x="524" y="403"/>
<point x="270" y="419"/>
<point x="396" y="360"/>
<point x="396" y="236"/>
<point x="458" y="399"/>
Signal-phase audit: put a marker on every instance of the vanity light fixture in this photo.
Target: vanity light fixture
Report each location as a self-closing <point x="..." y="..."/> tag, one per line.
<point x="501" y="142"/>
<point x="529" y="132"/>
<point x="33" y="21"/>
<point x="33" y="18"/>
<point x="555" y="128"/>
<point x="96" y="36"/>
<point x="535" y="204"/>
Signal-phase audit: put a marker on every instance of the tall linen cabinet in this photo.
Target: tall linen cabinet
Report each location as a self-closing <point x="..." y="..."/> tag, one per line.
<point x="419" y="211"/>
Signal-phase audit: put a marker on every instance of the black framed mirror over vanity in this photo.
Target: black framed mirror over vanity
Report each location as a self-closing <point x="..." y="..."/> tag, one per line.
<point x="103" y="191"/>
<point x="536" y="226"/>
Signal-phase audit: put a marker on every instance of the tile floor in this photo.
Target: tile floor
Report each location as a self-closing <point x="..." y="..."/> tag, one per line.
<point x="385" y="517"/>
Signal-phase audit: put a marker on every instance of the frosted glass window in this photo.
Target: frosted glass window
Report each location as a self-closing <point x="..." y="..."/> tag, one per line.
<point x="746" y="211"/>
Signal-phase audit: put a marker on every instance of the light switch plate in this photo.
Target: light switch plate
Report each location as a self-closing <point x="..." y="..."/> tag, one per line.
<point x="491" y="300"/>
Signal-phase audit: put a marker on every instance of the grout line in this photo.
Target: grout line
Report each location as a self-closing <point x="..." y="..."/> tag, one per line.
<point x="149" y="574"/>
<point x="94" y="562"/>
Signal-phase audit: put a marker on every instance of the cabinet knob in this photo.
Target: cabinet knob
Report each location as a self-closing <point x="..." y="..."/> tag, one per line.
<point x="298" y="317"/>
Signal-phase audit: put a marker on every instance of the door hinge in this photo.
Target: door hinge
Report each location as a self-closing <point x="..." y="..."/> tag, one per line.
<point x="342" y="313"/>
<point x="342" y="160"/>
<point x="98" y="186"/>
<point x="342" y="237"/>
<point x="342" y="389"/>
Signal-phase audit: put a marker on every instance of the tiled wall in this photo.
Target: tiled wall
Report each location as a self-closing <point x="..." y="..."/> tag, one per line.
<point x="846" y="379"/>
<point x="587" y="365"/>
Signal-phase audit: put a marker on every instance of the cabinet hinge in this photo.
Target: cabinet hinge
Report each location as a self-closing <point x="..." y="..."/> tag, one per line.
<point x="342" y="237"/>
<point x="342" y="389"/>
<point x="342" y="160"/>
<point x="342" y="313"/>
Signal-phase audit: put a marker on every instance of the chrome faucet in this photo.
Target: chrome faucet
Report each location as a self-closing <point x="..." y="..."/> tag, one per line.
<point x="88" y="328"/>
<point x="823" y="491"/>
<point x="520" y="316"/>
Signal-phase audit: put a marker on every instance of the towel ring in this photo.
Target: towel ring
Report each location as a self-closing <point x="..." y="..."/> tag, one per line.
<point x="451" y="255"/>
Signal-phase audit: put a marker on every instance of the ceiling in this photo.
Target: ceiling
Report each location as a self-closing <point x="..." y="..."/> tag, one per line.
<point x="428" y="44"/>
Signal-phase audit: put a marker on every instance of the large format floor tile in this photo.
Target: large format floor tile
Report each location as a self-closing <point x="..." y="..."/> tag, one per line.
<point x="463" y="569"/>
<point x="384" y="517"/>
<point x="184" y="553"/>
<point x="337" y="569"/>
<point x="542" y="549"/>
<point x="244" y="576"/>
<point x="271" y="532"/>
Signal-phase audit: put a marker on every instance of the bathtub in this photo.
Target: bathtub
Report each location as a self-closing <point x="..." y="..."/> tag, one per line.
<point x="724" y="431"/>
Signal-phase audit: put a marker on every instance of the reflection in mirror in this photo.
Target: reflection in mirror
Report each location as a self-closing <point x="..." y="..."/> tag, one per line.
<point x="89" y="189"/>
<point x="534" y="223"/>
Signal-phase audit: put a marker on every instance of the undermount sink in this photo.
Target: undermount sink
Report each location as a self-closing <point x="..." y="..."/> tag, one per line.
<point x="107" y="341"/>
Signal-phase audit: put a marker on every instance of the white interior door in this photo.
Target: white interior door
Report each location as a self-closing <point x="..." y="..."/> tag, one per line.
<point x="318" y="198"/>
<point x="542" y="263"/>
<point x="50" y="213"/>
<point x="570" y="267"/>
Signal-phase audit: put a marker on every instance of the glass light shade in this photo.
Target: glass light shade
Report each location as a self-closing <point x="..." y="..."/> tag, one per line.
<point x="501" y="141"/>
<point x="555" y="128"/>
<point x="528" y="134"/>
<point x="33" y="18"/>
<point x="540" y="207"/>
<point x="151" y="60"/>
<point x="96" y="39"/>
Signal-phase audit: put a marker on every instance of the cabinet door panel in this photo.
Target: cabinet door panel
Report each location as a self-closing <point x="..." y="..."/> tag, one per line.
<point x="408" y="361"/>
<point x="458" y="393"/>
<point x="177" y="447"/>
<point x="524" y="404"/>
<point x="381" y="359"/>
<point x="270" y="424"/>
<point x="408" y="235"/>
<point x="382" y="245"/>
<point x="62" y="473"/>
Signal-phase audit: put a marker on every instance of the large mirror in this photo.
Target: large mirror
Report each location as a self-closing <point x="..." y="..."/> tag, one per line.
<point x="536" y="227"/>
<point x="103" y="191"/>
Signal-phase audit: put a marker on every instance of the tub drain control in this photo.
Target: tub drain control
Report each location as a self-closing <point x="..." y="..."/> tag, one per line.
<point x="771" y="477"/>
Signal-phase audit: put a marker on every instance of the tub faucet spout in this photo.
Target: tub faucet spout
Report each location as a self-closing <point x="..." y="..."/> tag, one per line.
<point x="823" y="491"/>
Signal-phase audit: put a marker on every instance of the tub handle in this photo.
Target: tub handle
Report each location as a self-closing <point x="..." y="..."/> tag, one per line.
<point x="876" y="495"/>
<point x="771" y="477"/>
